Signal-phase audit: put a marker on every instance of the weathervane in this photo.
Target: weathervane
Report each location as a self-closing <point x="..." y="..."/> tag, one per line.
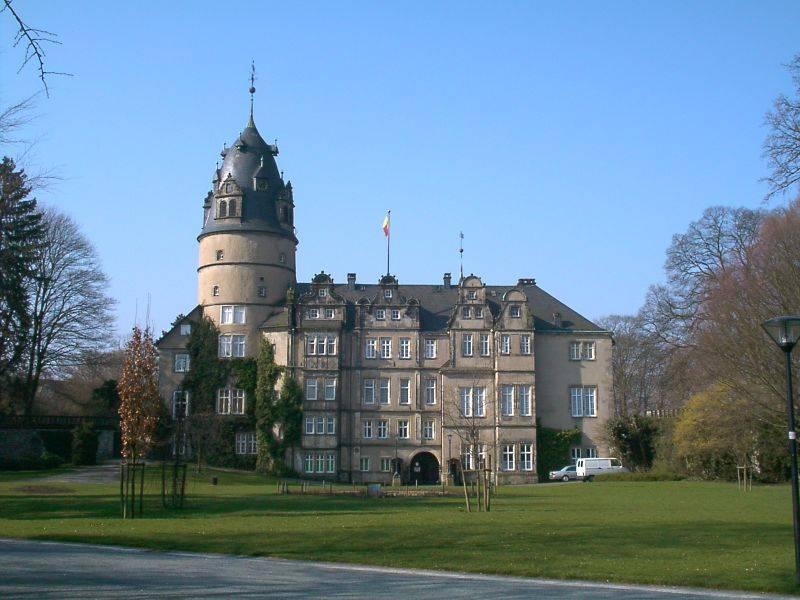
<point x="461" y="251"/>
<point x="252" y="85"/>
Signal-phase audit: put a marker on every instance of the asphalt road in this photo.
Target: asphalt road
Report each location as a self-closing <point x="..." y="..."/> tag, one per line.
<point x="42" y="570"/>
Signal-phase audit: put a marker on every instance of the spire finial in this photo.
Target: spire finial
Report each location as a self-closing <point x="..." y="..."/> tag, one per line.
<point x="252" y="91"/>
<point x="461" y="252"/>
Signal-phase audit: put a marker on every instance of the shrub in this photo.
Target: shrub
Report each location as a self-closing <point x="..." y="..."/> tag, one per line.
<point x="84" y="445"/>
<point x="652" y="475"/>
<point x="58" y="441"/>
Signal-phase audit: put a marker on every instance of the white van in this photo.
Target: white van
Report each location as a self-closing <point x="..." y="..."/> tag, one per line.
<point x="587" y="468"/>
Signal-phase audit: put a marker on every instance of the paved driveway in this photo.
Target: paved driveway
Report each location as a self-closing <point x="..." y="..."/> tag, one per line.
<point x="53" y="570"/>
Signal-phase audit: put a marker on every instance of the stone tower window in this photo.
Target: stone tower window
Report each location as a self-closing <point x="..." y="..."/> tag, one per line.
<point x="282" y="258"/>
<point x="222" y="209"/>
<point x="262" y="292"/>
<point x="220" y="254"/>
<point x="232" y="212"/>
<point x="215" y="290"/>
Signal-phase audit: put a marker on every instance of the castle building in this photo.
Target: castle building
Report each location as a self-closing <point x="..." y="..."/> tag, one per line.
<point x="398" y="379"/>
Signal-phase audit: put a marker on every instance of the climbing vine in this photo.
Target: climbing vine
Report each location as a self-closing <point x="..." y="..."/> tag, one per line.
<point x="552" y="448"/>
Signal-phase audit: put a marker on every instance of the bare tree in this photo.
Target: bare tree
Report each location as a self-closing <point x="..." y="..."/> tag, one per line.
<point x="782" y="146"/>
<point x="71" y="310"/>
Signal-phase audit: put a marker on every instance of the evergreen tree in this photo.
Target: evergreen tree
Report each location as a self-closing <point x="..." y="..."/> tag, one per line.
<point x="290" y="413"/>
<point x="21" y="233"/>
<point x="269" y="447"/>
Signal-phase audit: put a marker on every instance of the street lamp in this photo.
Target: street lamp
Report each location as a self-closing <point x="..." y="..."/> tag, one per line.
<point x="449" y="458"/>
<point x="785" y="332"/>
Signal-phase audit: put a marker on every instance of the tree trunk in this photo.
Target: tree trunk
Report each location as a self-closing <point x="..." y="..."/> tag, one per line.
<point x="464" y="483"/>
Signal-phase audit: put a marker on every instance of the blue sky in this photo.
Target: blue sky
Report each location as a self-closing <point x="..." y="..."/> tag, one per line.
<point x="568" y="142"/>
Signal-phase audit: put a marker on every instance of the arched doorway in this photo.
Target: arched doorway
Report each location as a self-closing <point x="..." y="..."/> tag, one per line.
<point x="424" y="469"/>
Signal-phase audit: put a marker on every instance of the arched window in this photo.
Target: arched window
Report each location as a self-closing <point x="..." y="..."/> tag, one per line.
<point x="222" y="209"/>
<point x="232" y="207"/>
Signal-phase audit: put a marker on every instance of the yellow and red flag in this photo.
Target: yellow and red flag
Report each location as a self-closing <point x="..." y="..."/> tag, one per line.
<point x="385" y="225"/>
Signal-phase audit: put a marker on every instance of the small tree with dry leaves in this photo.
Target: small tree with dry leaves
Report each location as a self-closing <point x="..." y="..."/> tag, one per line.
<point x="140" y="404"/>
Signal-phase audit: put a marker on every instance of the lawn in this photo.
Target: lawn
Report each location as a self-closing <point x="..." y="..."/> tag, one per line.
<point x="676" y="533"/>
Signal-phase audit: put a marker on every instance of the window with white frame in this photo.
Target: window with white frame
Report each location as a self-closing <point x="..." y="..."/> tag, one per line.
<point x="231" y="313"/>
<point x="245" y="442"/>
<point x="467" y="462"/>
<point x="515" y="311"/>
<point x="405" y="391"/>
<point x="215" y="290"/>
<point x="319" y="425"/>
<point x="505" y="344"/>
<point x="371" y="349"/>
<point x="262" y="291"/>
<point x="311" y="388"/>
<point x="237" y="401"/>
<point x="383" y="429"/>
<point x="526" y="457"/>
<point x="485" y="346"/>
<point x="329" y="314"/>
<point x="574" y="454"/>
<point x="405" y="348"/>
<point x="507" y="400"/>
<point x="472" y="295"/>
<point x="395" y="314"/>
<point x="525" y="344"/>
<point x="590" y="452"/>
<point x="231" y="345"/>
<point x="402" y="429"/>
<point x="466" y="344"/>
<point x="380" y="314"/>
<point x="312" y="313"/>
<point x="369" y="391"/>
<point x="330" y="460"/>
<point x="230" y="401"/>
<point x="383" y="397"/>
<point x="466" y="312"/>
<point x="308" y="463"/>
<point x="387" y="294"/>
<point x="478" y="312"/>
<point x="428" y="430"/>
<point x="583" y="401"/>
<point x="320" y="463"/>
<point x="186" y="328"/>
<point x="473" y="401"/>
<point x="309" y="425"/>
<point x="581" y="350"/>
<point x="386" y="464"/>
<point x="330" y="388"/>
<point x="366" y="429"/>
<point x="180" y="404"/>
<point x="323" y="292"/>
<point x="181" y="363"/>
<point x="430" y="348"/>
<point x="524" y="401"/>
<point x="363" y="464"/>
<point x="430" y="391"/>
<point x="320" y="345"/>
<point x="386" y="347"/>
<point x="507" y="458"/>
<point x="330" y="425"/>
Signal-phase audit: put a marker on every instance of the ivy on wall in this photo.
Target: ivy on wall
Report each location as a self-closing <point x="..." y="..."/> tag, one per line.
<point x="552" y="448"/>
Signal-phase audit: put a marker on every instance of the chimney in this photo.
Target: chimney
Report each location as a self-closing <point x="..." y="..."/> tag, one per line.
<point x="351" y="281"/>
<point x="447" y="279"/>
<point x="526" y="281"/>
<point x="557" y="319"/>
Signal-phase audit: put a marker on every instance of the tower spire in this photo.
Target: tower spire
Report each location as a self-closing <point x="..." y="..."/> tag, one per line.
<point x="461" y="252"/>
<point x="251" y="122"/>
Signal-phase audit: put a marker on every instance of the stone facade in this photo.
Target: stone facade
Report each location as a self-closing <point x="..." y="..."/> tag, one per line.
<point x="398" y="379"/>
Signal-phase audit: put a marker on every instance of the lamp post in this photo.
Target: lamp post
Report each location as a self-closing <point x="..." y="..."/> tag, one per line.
<point x="785" y="332"/>
<point x="449" y="458"/>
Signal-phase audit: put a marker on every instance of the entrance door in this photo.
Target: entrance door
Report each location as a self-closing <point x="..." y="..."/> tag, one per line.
<point x="424" y="469"/>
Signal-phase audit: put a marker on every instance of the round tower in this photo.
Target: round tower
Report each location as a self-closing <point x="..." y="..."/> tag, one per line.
<point x="247" y="242"/>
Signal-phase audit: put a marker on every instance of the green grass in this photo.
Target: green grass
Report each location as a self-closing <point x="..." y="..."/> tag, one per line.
<point x="676" y="533"/>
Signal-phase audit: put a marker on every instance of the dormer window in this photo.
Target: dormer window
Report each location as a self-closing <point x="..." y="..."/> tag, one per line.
<point x="478" y="312"/>
<point x="380" y="314"/>
<point x="323" y="292"/>
<point x="515" y="311"/>
<point x="228" y="188"/>
<point x="328" y="313"/>
<point x="472" y="295"/>
<point x="313" y="313"/>
<point x="395" y="314"/>
<point x="387" y="294"/>
<point x="222" y="209"/>
<point x="466" y="313"/>
<point x="232" y="205"/>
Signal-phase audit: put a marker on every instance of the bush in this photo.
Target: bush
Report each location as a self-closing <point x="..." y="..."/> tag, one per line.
<point x="48" y="460"/>
<point x="59" y="442"/>
<point x="84" y="445"/>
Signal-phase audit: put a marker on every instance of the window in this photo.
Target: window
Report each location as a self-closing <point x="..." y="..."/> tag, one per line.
<point x="224" y="401"/>
<point x="322" y="292"/>
<point x="387" y="294"/>
<point x="186" y="328"/>
<point x="308" y="463"/>
<point x="485" y="347"/>
<point x="384" y="391"/>
<point x="231" y="314"/>
<point x="507" y="458"/>
<point x="507" y="400"/>
<point x="466" y="313"/>
<point x="430" y="348"/>
<point x="262" y="292"/>
<point x="313" y="313"/>
<point x="369" y="391"/>
<point x="383" y="429"/>
<point x="466" y="458"/>
<point x="525" y="344"/>
<point x="574" y="454"/>
<point x="472" y="295"/>
<point x="478" y="312"/>
<point x="181" y="363"/>
<point x="428" y="431"/>
<point x="405" y="348"/>
<point x="329" y="313"/>
<point x="405" y="391"/>
<point x="309" y="425"/>
<point x="282" y="258"/>
<point x="228" y="188"/>
<point x="590" y="452"/>
<point x="215" y="290"/>
<point x="319" y="425"/>
<point x="430" y="391"/>
<point x="395" y="314"/>
<point x="231" y="346"/>
<point x="524" y="395"/>
<point x="320" y="345"/>
<point x="386" y="464"/>
<point x="330" y="388"/>
<point x="366" y="429"/>
<point x="319" y="462"/>
<point x="380" y="314"/>
<point x="330" y="425"/>
<point x="311" y="389"/>
<point x="220" y="254"/>
<point x="222" y="209"/>
<point x="402" y="429"/>
<point x="473" y="401"/>
<point x="466" y="344"/>
<point x="245" y="442"/>
<point x="330" y="459"/>
<point x="515" y="311"/>
<point x="581" y="351"/>
<point x="526" y="457"/>
<point x="364" y="464"/>
<point x="180" y="404"/>
<point x="505" y="344"/>
<point x="386" y="347"/>
<point x="371" y="349"/>
<point x="583" y="401"/>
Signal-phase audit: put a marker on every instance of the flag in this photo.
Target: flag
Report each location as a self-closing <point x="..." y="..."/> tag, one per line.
<point x="385" y="225"/>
